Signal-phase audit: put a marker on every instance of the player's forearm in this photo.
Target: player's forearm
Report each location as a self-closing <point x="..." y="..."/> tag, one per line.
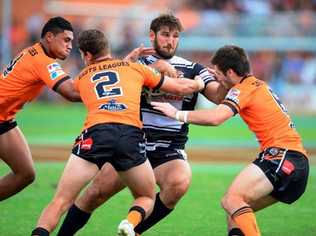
<point x="188" y="86"/>
<point x="200" y="117"/>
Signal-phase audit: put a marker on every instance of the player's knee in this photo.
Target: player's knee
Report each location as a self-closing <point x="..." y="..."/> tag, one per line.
<point x="231" y="201"/>
<point x="176" y="188"/>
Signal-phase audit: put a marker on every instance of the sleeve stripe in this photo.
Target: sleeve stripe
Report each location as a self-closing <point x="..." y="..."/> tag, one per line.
<point x="162" y="78"/>
<point x="59" y="82"/>
<point x="232" y="105"/>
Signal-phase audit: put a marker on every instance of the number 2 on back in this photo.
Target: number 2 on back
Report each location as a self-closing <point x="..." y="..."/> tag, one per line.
<point x="105" y="79"/>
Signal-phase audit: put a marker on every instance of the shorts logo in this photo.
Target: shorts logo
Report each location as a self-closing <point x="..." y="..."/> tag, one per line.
<point x="113" y="105"/>
<point x="288" y="167"/>
<point x="55" y="70"/>
<point x="233" y="95"/>
<point x="86" y="144"/>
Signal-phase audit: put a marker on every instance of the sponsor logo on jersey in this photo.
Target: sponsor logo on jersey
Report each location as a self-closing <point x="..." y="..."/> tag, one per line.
<point x="113" y="105"/>
<point x="55" y="70"/>
<point x="233" y="95"/>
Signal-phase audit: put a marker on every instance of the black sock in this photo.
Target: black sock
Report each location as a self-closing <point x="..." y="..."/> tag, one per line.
<point x="74" y="220"/>
<point x="235" y="232"/>
<point x="159" y="212"/>
<point x="40" y="231"/>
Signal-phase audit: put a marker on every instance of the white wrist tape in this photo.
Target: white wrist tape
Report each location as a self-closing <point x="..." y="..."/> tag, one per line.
<point x="182" y="116"/>
<point x="185" y="116"/>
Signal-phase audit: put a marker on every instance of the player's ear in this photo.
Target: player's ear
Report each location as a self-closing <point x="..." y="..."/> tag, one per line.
<point x="152" y="35"/>
<point x="49" y="36"/>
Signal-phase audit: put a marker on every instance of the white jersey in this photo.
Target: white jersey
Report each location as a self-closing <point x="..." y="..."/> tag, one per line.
<point x="160" y="130"/>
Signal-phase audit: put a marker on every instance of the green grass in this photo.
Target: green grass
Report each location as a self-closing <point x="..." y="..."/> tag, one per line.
<point x="60" y="123"/>
<point x="199" y="213"/>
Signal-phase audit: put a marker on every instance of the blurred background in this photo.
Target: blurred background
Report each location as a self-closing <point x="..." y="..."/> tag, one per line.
<point x="279" y="36"/>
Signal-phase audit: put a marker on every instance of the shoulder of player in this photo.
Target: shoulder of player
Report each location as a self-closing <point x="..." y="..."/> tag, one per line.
<point x="251" y="83"/>
<point x="181" y="62"/>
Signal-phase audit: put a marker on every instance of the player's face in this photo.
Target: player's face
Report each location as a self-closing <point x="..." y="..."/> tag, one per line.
<point x="165" y="42"/>
<point x="61" y="44"/>
<point x="225" y="80"/>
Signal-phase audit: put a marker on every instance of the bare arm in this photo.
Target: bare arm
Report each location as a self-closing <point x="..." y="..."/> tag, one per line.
<point x="215" y="92"/>
<point x="211" y="117"/>
<point x="67" y="90"/>
<point x="182" y="86"/>
<point x="164" y="68"/>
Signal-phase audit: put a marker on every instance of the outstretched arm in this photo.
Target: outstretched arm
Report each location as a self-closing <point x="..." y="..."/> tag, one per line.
<point x="68" y="91"/>
<point x="211" y="117"/>
<point x="182" y="86"/>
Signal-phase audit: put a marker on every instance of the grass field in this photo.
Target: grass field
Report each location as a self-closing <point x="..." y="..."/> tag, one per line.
<point x="59" y="124"/>
<point x="199" y="212"/>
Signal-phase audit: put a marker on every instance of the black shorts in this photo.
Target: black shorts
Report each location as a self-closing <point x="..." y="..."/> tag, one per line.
<point x="162" y="155"/>
<point x="120" y="145"/>
<point x="287" y="170"/>
<point x="7" y="125"/>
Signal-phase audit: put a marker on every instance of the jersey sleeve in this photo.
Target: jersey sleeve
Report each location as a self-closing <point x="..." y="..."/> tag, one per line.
<point x="152" y="78"/>
<point x="50" y="72"/>
<point x="237" y="98"/>
<point x="202" y="71"/>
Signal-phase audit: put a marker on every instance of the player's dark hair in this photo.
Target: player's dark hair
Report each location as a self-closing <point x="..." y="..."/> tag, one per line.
<point x="56" y="25"/>
<point x="93" y="41"/>
<point x="168" y="20"/>
<point x="232" y="57"/>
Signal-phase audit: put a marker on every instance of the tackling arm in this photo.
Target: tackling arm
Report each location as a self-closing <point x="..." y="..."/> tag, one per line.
<point x="182" y="86"/>
<point x="68" y="91"/>
<point x="211" y="117"/>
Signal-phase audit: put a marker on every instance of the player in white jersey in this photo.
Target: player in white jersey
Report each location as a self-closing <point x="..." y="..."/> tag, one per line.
<point x="165" y="137"/>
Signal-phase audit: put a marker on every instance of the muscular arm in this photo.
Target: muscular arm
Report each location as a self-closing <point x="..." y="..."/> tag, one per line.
<point x="211" y="117"/>
<point x="182" y="86"/>
<point x="215" y="92"/>
<point x="67" y="90"/>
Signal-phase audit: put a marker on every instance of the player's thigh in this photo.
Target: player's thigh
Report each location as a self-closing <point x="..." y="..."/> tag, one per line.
<point x="106" y="183"/>
<point x="14" y="150"/>
<point x="173" y="173"/>
<point x="251" y="184"/>
<point x="77" y="173"/>
<point x="140" y="179"/>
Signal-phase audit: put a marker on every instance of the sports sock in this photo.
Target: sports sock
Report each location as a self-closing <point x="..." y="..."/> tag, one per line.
<point x="39" y="231"/>
<point x="74" y="221"/>
<point x="245" y="219"/>
<point x="235" y="232"/>
<point x="136" y="215"/>
<point x="159" y="212"/>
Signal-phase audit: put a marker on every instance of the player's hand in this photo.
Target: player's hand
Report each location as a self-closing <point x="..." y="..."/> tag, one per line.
<point x="139" y="52"/>
<point x="200" y="82"/>
<point x="165" y="68"/>
<point x="165" y="108"/>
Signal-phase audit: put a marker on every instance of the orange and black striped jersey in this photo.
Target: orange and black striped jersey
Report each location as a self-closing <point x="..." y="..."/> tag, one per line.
<point x="111" y="89"/>
<point x="264" y="114"/>
<point x="23" y="79"/>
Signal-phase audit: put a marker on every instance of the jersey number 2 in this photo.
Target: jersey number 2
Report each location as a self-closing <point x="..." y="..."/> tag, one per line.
<point x="105" y="79"/>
